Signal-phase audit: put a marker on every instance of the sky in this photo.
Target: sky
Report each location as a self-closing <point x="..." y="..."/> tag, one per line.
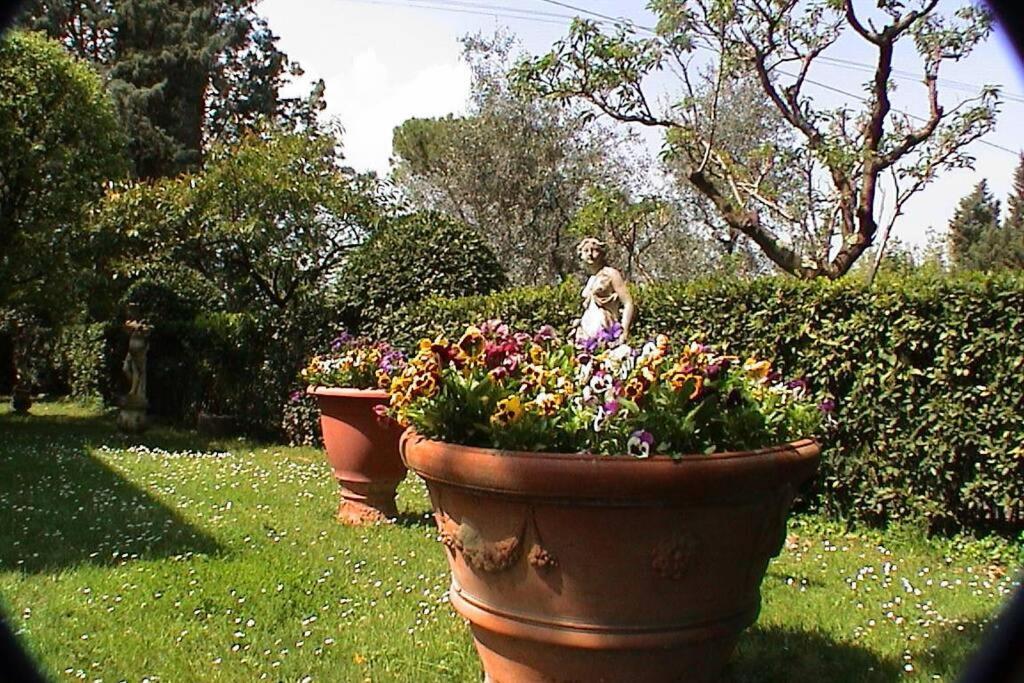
<point x="384" y="61"/>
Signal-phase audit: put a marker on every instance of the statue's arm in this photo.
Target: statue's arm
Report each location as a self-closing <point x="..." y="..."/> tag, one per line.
<point x="626" y="299"/>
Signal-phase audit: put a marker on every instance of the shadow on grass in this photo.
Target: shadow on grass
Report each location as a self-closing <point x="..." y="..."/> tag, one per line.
<point x="63" y="507"/>
<point x="953" y="646"/>
<point x="415" y="520"/>
<point x="776" y="655"/>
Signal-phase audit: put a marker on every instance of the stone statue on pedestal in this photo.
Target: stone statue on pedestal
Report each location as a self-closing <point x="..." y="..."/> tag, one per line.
<point x="133" y="411"/>
<point x="21" y="392"/>
<point x="608" y="309"/>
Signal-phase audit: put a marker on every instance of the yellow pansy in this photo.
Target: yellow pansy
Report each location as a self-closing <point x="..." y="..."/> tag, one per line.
<point x="507" y="411"/>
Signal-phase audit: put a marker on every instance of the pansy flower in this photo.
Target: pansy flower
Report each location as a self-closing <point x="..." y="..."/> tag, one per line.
<point x="424" y="384"/>
<point x="601" y="418"/>
<point x="610" y="334"/>
<point x="640" y="444"/>
<point x="546" y="403"/>
<point x="545" y="334"/>
<point x="635" y="388"/>
<point x="601" y="382"/>
<point x="472" y="342"/>
<point x="757" y="369"/>
<point x="507" y="411"/>
<point x="798" y="386"/>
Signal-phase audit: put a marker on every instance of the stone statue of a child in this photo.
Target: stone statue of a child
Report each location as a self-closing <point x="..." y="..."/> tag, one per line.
<point x="608" y="307"/>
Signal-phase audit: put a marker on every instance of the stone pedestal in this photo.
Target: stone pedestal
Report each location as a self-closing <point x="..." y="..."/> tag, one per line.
<point x="21" y="400"/>
<point x="132" y="418"/>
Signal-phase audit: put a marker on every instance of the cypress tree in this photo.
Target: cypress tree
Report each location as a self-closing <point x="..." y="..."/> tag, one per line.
<point x="976" y="216"/>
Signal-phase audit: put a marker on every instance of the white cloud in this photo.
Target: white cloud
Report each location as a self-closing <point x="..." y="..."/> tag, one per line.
<point x="376" y="103"/>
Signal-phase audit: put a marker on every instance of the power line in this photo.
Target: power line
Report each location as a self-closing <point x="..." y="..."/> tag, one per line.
<point x="443" y="7"/>
<point x="617" y="20"/>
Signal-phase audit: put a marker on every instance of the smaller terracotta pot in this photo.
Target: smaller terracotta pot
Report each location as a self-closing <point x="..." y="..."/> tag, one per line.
<point x="362" y="451"/>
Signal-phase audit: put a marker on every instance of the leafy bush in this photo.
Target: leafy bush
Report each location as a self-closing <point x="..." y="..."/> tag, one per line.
<point x="411" y="258"/>
<point x="526" y="308"/>
<point x="925" y="372"/>
<point x="300" y="420"/>
<point x="81" y="357"/>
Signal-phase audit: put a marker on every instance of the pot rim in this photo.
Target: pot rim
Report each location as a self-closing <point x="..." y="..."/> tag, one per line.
<point x="800" y="446"/>
<point x="720" y="477"/>
<point x="345" y="392"/>
<point x="576" y="476"/>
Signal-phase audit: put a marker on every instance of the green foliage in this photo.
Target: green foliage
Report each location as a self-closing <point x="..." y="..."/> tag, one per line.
<point x="526" y="308"/>
<point x="925" y="372"/>
<point x="182" y="72"/>
<point x="59" y="142"/>
<point x="80" y="354"/>
<point x="645" y="235"/>
<point x="300" y="420"/>
<point x="267" y="222"/>
<point x="411" y="258"/>
<point x="976" y="216"/>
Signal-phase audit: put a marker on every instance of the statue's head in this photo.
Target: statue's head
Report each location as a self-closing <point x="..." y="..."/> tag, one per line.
<point x="592" y="251"/>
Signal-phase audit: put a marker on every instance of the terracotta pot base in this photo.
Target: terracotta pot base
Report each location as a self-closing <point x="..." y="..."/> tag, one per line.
<point x="507" y="661"/>
<point x="367" y="504"/>
<point x="514" y="650"/>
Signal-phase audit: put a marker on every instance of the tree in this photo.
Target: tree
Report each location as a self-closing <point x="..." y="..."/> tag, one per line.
<point x="181" y="72"/>
<point x="978" y="241"/>
<point x="746" y="124"/>
<point x="268" y="222"/>
<point x="846" y="153"/>
<point x="59" y="143"/>
<point x="412" y="257"/>
<point x="514" y="169"/>
<point x="648" y="236"/>
<point x="1015" y="202"/>
<point x="976" y="216"/>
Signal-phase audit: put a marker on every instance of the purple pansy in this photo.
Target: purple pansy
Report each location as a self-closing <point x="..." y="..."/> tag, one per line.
<point x="610" y="333"/>
<point x="546" y="333"/>
<point x="640" y="444"/>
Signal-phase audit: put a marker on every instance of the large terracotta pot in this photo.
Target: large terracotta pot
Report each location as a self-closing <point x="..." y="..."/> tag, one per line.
<point x="363" y="453"/>
<point x="573" y="567"/>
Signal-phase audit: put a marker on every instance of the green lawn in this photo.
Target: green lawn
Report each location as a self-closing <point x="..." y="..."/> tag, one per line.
<point x="173" y="558"/>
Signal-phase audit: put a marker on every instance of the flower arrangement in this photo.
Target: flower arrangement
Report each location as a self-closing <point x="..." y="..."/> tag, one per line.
<point x="355" y="362"/>
<point x="498" y="388"/>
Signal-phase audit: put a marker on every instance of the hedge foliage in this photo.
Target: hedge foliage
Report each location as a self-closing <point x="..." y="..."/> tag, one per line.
<point x="926" y="372"/>
<point x="80" y="356"/>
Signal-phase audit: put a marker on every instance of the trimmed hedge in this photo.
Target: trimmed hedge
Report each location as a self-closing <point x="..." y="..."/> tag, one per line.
<point x="926" y="372"/>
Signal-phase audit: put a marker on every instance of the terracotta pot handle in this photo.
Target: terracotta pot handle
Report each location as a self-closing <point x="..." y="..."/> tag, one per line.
<point x="485" y="556"/>
<point x="407" y="434"/>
